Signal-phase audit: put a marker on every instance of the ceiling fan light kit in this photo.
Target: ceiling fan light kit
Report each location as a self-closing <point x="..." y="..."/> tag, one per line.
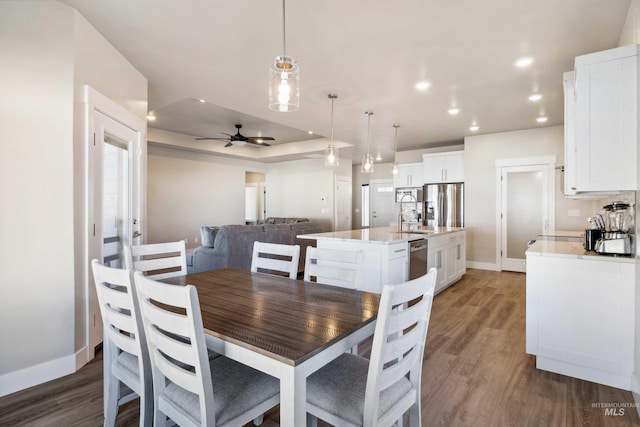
<point x="331" y="153"/>
<point x="239" y="140"/>
<point x="284" y="78"/>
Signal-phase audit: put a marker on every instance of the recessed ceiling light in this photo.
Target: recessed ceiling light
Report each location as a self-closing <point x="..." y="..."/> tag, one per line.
<point x="535" y="97"/>
<point x="524" y="62"/>
<point x="453" y="111"/>
<point x="202" y="100"/>
<point x="541" y="119"/>
<point x="422" y="86"/>
<point x="474" y="128"/>
<point x="151" y="117"/>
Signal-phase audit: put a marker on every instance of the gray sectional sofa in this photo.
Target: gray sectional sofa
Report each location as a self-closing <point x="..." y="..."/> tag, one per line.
<point x="232" y="245"/>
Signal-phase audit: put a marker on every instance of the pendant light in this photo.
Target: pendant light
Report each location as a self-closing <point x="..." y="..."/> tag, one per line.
<point x="331" y="153"/>
<point x="394" y="171"/>
<point x="284" y="78"/>
<point x="367" y="160"/>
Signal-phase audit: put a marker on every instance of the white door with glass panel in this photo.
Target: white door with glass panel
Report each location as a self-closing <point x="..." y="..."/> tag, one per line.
<point x="115" y="160"/>
<point x="382" y="198"/>
<point x="527" y="194"/>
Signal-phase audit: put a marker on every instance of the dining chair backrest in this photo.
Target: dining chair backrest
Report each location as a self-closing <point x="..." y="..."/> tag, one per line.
<point x="125" y="353"/>
<point x="275" y="258"/>
<point x="179" y="360"/>
<point x="334" y="267"/>
<point x="158" y="260"/>
<point x="398" y="347"/>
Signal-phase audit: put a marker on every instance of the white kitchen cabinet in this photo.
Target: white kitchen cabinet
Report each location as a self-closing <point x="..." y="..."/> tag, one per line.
<point x="580" y="316"/>
<point x="602" y="108"/>
<point x="409" y="175"/>
<point x="443" y="167"/>
<point x="570" y="165"/>
<point x="447" y="254"/>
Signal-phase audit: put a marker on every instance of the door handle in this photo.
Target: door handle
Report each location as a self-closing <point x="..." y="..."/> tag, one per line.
<point x="136" y="234"/>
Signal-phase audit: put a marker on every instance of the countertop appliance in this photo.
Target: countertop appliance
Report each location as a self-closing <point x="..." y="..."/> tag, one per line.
<point x="615" y="236"/>
<point x="418" y="258"/>
<point x="443" y="205"/>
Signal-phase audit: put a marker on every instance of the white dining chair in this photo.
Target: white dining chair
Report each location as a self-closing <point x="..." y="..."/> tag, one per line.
<point x="275" y="258"/>
<point x="334" y="267"/>
<point x="125" y="354"/>
<point x="157" y="260"/>
<point x="188" y="388"/>
<point x="354" y="391"/>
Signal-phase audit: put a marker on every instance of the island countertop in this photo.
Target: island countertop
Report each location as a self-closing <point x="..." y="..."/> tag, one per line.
<point x="381" y="235"/>
<point x="571" y="250"/>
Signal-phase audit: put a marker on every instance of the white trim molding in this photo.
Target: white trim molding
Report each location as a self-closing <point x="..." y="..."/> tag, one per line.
<point x="483" y="265"/>
<point x="37" y="374"/>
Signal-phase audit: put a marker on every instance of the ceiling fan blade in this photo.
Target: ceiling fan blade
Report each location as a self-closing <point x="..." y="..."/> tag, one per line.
<point x="219" y="139"/>
<point x="228" y="134"/>
<point x="264" y="138"/>
<point x="229" y="144"/>
<point x="264" y="144"/>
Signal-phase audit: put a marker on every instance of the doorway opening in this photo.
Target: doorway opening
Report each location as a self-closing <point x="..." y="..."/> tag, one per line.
<point x="525" y="207"/>
<point x="255" y="197"/>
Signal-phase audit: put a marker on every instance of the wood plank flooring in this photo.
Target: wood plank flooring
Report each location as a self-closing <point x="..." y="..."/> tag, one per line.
<point x="476" y="373"/>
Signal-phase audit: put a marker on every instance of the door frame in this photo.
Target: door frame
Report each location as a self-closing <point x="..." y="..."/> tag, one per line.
<point x="549" y="162"/>
<point x="94" y="101"/>
<point x="346" y="180"/>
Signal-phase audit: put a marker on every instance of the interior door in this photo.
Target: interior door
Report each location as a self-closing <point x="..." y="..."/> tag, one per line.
<point x="116" y="203"/>
<point x="382" y="199"/>
<point x="525" y="211"/>
<point x="342" y="220"/>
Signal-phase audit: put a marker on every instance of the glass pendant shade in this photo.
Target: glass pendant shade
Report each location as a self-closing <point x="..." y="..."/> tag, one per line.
<point x="284" y="85"/>
<point x="394" y="171"/>
<point x="331" y="156"/>
<point x="367" y="164"/>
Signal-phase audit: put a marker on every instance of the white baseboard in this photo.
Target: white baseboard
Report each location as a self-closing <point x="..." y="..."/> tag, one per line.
<point x="38" y="374"/>
<point x="82" y="357"/>
<point x="635" y="390"/>
<point x="482" y="265"/>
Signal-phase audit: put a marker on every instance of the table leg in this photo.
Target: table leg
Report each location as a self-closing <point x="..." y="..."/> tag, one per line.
<point x="293" y="398"/>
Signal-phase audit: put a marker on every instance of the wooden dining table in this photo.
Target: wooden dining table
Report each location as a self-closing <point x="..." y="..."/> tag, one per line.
<point x="286" y="328"/>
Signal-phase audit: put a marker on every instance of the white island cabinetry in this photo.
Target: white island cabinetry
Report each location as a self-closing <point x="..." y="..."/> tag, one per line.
<point x="580" y="313"/>
<point x="447" y="254"/>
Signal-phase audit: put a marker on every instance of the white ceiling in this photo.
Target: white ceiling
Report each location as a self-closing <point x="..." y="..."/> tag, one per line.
<point x="368" y="52"/>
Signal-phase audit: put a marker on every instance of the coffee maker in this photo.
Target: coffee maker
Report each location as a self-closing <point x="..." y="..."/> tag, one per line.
<point x="615" y="239"/>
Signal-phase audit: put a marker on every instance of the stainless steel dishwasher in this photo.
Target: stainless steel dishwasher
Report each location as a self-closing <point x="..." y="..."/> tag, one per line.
<point x="418" y="258"/>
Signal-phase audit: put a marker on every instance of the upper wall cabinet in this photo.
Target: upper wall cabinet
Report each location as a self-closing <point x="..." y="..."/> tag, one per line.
<point x="409" y="175"/>
<point x="601" y="123"/>
<point x="443" y="167"/>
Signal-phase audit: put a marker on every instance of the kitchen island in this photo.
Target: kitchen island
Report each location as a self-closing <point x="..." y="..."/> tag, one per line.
<point x="580" y="312"/>
<point x="387" y="256"/>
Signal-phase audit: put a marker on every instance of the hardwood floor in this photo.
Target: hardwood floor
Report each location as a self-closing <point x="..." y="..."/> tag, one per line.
<point x="476" y="373"/>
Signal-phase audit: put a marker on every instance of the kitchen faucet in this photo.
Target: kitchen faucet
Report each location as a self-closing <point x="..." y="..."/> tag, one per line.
<point x="402" y="203"/>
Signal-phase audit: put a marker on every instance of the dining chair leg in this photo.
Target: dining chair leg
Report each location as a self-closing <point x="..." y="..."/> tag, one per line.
<point x="146" y="409"/>
<point x="111" y="397"/>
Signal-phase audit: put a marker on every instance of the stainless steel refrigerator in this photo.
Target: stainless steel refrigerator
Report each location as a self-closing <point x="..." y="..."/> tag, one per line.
<point x="443" y="205"/>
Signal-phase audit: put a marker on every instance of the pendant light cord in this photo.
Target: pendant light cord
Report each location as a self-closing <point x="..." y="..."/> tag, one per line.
<point x="395" y="147"/>
<point x="332" y="99"/>
<point x="284" y="32"/>
<point x="369" y="114"/>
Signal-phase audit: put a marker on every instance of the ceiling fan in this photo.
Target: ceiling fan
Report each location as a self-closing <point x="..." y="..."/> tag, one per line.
<point x="239" y="140"/>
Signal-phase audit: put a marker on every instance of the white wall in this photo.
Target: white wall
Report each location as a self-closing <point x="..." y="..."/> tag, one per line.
<point x="187" y="190"/>
<point x="304" y="188"/>
<point x="480" y="154"/>
<point x="41" y="170"/>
